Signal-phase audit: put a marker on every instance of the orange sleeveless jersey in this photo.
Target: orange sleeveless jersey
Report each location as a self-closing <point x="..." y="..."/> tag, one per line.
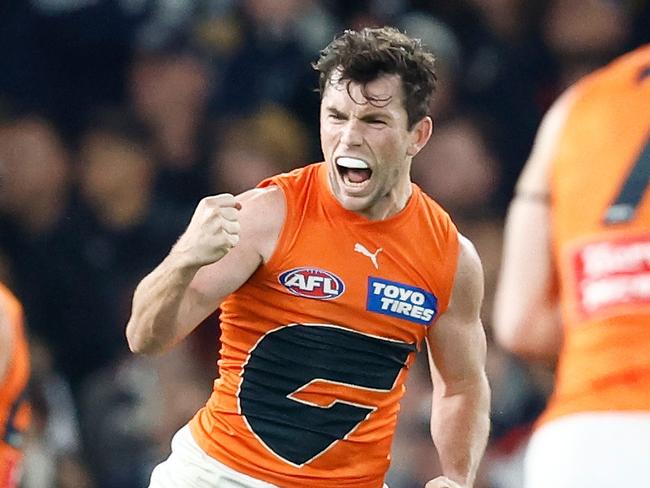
<point x="317" y="344"/>
<point x="14" y="410"/>
<point x="601" y="227"/>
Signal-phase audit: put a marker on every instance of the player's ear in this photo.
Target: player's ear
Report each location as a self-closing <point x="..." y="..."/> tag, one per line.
<point x="419" y="135"/>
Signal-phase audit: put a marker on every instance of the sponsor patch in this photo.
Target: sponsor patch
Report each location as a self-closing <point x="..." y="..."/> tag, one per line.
<point x="312" y="283"/>
<point x="401" y="301"/>
<point x="612" y="273"/>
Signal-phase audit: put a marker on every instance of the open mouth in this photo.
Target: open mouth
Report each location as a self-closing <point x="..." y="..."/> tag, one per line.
<point x="354" y="172"/>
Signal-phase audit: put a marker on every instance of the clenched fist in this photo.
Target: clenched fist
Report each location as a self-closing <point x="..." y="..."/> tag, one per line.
<point x="212" y="232"/>
<point x="442" y="482"/>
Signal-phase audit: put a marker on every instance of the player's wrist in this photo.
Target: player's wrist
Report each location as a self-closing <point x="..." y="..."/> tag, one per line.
<point x="183" y="262"/>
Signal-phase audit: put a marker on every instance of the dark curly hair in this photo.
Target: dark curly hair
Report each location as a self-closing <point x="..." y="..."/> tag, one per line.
<point x="363" y="56"/>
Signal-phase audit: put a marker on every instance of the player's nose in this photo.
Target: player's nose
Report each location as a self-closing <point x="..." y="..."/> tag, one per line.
<point x="351" y="133"/>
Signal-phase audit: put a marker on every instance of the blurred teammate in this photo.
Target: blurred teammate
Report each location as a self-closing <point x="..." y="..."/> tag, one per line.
<point x="328" y="278"/>
<point x="576" y="279"/>
<point x="14" y="374"/>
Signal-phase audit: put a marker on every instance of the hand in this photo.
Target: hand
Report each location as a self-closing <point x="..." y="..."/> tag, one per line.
<point x="212" y="231"/>
<point x="442" y="482"/>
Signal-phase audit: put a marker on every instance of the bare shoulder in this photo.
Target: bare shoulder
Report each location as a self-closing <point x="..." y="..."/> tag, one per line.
<point x="468" y="285"/>
<point x="468" y="259"/>
<point x="262" y="215"/>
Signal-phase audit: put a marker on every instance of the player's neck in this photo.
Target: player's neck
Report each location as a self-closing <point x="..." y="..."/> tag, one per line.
<point x="391" y="204"/>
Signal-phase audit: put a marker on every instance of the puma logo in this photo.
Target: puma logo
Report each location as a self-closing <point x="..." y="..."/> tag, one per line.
<point x="360" y="248"/>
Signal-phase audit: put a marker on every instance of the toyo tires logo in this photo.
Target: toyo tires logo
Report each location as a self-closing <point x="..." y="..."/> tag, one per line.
<point x="312" y="283"/>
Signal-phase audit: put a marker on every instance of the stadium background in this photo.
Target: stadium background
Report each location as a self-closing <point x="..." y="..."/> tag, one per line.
<point x="117" y="116"/>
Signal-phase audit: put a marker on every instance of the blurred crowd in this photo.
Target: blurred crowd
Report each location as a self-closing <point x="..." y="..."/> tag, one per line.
<point x="118" y="116"/>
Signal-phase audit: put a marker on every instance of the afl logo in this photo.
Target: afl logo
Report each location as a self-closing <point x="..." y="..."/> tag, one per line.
<point x="312" y="283"/>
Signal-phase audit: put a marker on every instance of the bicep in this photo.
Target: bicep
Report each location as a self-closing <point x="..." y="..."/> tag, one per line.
<point x="456" y="341"/>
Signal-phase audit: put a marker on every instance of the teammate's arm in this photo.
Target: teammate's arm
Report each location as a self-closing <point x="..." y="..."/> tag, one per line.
<point x="226" y="240"/>
<point x="526" y="317"/>
<point x="6" y="341"/>
<point x="461" y="394"/>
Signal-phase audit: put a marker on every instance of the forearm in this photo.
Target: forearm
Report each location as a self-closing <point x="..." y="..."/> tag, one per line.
<point x="157" y="300"/>
<point x="460" y="424"/>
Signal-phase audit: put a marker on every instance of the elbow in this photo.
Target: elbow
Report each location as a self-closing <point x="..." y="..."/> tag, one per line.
<point x="530" y="328"/>
<point x="141" y="343"/>
<point x="507" y="337"/>
<point x="528" y="345"/>
<point x="510" y="331"/>
<point x="518" y="348"/>
<point x="510" y="337"/>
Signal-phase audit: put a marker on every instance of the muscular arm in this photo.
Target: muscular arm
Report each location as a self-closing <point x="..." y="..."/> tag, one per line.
<point x="461" y="394"/>
<point x="221" y="248"/>
<point x="526" y="317"/>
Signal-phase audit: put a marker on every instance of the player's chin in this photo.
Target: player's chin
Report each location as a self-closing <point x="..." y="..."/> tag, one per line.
<point x="355" y="203"/>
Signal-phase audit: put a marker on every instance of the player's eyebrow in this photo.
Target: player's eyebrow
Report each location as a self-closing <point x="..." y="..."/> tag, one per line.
<point x="373" y="114"/>
<point x="334" y="111"/>
<point x="376" y="115"/>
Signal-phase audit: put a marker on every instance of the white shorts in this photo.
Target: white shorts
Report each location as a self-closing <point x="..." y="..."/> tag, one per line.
<point x="590" y="450"/>
<point x="188" y="466"/>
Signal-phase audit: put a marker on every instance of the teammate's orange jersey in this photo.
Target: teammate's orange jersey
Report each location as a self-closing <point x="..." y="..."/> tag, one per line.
<point x="317" y="344"/>
<point x="601" y="227"/>
<point x="14" y="410"/>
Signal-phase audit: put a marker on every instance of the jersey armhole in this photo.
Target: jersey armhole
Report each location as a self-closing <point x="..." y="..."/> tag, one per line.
<point x="287" y="234"/>
<point x="453" y="241"/>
